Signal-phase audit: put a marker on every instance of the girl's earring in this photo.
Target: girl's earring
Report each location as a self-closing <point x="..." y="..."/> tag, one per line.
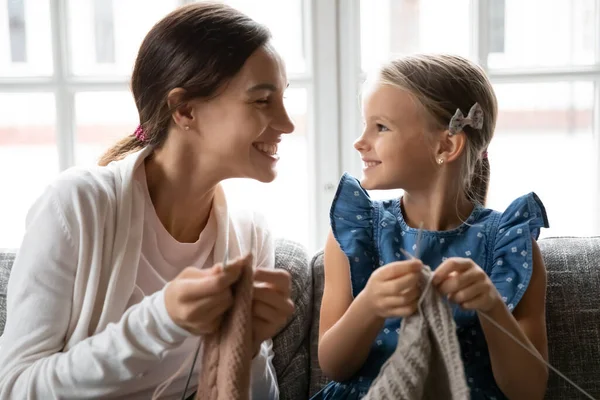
<point x="187" y="128"/>
<point x="440" y="161"/>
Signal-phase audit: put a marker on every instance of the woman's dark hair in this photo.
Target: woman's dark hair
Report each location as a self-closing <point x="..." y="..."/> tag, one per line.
<point x="199" y="48"/>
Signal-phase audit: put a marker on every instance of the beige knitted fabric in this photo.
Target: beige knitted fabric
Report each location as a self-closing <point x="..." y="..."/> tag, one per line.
<point x="427" y="362"/>
<point x="227" y="354"/>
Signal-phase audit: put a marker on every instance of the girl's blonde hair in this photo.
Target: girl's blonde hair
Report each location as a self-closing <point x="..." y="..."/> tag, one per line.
<point x="442" y="84"/>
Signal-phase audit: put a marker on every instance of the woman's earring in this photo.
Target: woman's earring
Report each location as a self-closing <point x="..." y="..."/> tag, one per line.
<point x="187" y="128"/>
<point x="440" y="161"/>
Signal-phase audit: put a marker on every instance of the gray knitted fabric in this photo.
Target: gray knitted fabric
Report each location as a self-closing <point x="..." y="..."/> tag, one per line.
<point x="427" y="362"/>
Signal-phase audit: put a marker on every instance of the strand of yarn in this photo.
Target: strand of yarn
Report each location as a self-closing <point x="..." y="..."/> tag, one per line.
<point x="189" y="378"/>
<point x="536" y="355"/>
<point x="164" y="385"/>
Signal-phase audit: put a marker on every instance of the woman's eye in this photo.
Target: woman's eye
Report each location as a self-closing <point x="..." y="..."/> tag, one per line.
<point x="262" y="101"/>
<point x="382" y="128"/>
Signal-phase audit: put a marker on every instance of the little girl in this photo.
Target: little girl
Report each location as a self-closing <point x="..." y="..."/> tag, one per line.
<point x="428" y="122"/>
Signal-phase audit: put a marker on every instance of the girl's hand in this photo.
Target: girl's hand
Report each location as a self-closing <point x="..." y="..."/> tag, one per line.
<point x="197" y="299"/>
<point x="466" y="284"/>
<point x="393" y="289"/>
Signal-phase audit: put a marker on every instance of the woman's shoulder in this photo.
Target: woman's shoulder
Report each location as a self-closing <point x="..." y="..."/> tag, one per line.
<point x="84" y="188"/>
<point x="78" y="180"/>
<point x="96" y="186"/>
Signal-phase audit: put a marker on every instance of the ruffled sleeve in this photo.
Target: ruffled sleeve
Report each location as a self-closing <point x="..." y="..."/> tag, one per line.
<point x="351" y="219"/>
<point x="512" y="257"/>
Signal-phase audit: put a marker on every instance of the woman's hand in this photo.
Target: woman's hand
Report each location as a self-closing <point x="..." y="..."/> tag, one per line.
<point x="197" y="299"/>
<point x="466" y="284"/>
<point x="271" y="305"/>
<point x="393" y="289"/>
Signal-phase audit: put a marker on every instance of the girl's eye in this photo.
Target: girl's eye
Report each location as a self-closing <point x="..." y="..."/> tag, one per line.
<point x="263" y="101"/>
<point x="382" y="128"/>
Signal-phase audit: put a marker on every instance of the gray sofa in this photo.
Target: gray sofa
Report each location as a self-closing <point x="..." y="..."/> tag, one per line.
<point x="573" y="317"/>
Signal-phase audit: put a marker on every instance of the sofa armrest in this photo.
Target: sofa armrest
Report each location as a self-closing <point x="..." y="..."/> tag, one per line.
<point x="291" y="359"/>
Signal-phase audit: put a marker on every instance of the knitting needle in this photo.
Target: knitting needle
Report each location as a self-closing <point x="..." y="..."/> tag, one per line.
<point x="252" y="241"/>
<point x="417" y="245"/>
<point x="225" y="257"/>
<point x="533" y="353"/>
<point x="419" y="237"/>
<point x="187" y="382"/>
<point x="510" y="335"/>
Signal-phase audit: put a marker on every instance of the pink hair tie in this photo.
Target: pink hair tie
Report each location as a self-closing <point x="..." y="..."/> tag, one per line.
<point x="484" y="155"/>
<point x="140" y="134"/>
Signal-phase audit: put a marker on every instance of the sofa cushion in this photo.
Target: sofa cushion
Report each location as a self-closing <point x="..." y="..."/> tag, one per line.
<point x="317" y="379"/>
<point x="573" y="314"/>
<point x="291" y="345"/>
<point x="6" y="260"/>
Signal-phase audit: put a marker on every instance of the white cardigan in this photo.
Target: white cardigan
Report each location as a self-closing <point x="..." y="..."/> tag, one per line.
<point x="68" y="334"/>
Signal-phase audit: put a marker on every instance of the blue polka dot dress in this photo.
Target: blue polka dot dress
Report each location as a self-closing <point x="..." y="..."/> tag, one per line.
<point x="371" y="233"/>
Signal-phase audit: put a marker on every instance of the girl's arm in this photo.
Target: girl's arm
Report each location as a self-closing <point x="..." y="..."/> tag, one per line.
<point x="518" y="374"/>
<point x="347" y="328"/>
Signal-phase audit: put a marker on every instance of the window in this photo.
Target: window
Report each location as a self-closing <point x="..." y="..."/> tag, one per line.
<point x="286" y="20"/>
<point x="497" y="26"/>
<point x="94" y="27"/>
<point x="547" y="79"/>
<point x="390" y="28"/>
<point x="96" y="131"/>
<point x="544" y="63"/>
<point x="25" y="38"/>
<point x="538" y="36"/>
<point x="104" y="31"/>
<point x="64" y="95"/>
<point x="544" y="142"/>
<point x="87" y="105"/>
<point x="28" y="158"/>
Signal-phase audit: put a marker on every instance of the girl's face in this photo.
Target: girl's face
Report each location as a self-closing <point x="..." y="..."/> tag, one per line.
<point x="394" y="146"/>
<point x="241" y="127"/>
